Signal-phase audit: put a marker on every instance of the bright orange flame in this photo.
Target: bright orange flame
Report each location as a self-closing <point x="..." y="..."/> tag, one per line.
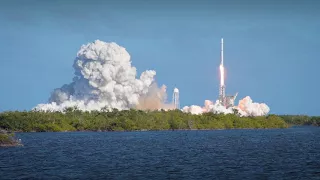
<point x="221" y="75"/>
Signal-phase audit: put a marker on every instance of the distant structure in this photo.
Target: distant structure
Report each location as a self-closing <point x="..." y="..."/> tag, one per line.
<point x="175" y="99"/>
<point x="230" y="100"/>
<point x="225" y="100"/>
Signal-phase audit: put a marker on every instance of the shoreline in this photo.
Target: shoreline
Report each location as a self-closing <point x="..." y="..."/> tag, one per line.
<point x="11" y="145"/>
<point x="8" y="140"/>
<point x="146" y="130"/>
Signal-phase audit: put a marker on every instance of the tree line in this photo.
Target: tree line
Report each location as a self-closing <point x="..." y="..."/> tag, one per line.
<point x="72" y="119"/>
<point x="301" y="120"/>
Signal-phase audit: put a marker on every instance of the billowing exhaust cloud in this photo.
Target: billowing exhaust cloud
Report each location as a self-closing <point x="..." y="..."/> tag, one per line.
<point x="245" y="108"/>
<point x="248" y="108"/>
<point x="105" y="78"/>
<point x="155" y="99"/>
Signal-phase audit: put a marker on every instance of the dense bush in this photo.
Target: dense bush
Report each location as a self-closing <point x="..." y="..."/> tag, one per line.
<point x="8" y="139"/>
<point x="301" y="120"/>
<point x="75" y="120"/>
<point x="5" y="139"/>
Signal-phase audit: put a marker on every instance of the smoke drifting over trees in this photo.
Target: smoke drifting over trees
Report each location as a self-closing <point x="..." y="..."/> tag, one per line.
<point x="245" y="108"/>
<point x="105" y="79"/>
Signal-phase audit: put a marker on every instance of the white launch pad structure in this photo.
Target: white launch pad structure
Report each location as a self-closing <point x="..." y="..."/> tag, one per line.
<point x="175" y="99"/>
<point x="225" y="100"/>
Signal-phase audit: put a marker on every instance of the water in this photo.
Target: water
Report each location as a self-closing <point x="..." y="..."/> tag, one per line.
<point x="292" y="153"/>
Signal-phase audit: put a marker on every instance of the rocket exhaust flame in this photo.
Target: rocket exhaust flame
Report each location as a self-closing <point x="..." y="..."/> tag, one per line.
<point x="221" y="75"/>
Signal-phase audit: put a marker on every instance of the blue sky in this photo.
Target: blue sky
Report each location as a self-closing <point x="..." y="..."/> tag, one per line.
<point x="271" y="48"/>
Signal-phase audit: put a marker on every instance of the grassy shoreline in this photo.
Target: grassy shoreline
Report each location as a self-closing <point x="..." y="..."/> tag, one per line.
<point x="73" y="120"/>
<point x="135" y="120"/>
<point x="130" y="120"/>
<point x="150" y="130"/>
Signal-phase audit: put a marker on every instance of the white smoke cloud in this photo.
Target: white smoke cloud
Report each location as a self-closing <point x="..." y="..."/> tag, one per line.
<point x="246" y="107"/>
<point x="155" y="99"/>
<point x="104" y="77"/>
<point x="193" y="109"/>
<point x="209" y="106"/>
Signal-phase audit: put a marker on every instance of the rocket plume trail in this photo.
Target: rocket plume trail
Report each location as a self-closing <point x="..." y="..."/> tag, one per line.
<point x="221" y="75"/>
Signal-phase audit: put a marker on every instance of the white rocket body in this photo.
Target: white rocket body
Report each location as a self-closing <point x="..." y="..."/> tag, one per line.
<point x="222" y="51"/>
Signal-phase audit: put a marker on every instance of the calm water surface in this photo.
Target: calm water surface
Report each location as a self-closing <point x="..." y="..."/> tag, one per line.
<point x="292" y="153"/>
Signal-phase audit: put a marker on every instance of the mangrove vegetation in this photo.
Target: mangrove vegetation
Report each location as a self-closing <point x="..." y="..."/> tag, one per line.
<point x="301" y="120"/>
<point x="8" y="139"/>
<point x="73" y="119"/>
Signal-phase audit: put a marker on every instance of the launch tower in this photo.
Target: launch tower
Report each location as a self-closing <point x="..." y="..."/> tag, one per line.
<point x="175" y="98"/>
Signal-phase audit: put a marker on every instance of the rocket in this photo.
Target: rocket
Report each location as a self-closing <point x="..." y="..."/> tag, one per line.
<point x="222" y="88"/>
<point x="226" y="101"/>
<point x="222" y="51"/>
